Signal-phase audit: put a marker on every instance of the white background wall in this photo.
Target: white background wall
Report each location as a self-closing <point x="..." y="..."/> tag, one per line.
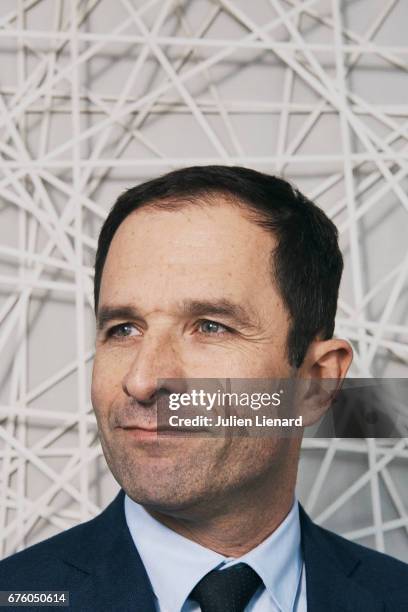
<point x="97" y="96"/>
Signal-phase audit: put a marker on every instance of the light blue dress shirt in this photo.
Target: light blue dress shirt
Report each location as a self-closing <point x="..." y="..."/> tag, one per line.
<point x="176" y="564"/>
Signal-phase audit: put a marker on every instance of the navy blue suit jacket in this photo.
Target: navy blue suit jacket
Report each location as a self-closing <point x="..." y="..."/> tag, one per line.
<point x="98" y="564"/>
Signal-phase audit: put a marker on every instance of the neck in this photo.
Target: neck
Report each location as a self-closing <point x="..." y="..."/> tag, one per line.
<point x="244" y="521"/>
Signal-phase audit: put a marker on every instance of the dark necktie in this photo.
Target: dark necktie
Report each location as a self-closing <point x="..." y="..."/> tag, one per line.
<point x="227" y="590"/>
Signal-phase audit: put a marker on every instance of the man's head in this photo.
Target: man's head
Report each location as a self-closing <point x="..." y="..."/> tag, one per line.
<point x="306" y="263"/>
<point x="208" y="272"/>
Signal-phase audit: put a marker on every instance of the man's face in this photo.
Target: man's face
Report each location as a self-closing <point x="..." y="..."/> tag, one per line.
<point x="175" y="270"/>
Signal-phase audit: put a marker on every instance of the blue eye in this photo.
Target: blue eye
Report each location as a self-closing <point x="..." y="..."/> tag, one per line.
<point x="119" y="331"/>
<point x="213" y="328"/>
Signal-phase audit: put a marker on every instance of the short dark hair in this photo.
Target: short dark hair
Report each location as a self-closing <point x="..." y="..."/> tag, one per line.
<point x="306" y="264"/>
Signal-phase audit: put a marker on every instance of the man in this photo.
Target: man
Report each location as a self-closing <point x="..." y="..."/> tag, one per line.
<point x="216" y="273"/>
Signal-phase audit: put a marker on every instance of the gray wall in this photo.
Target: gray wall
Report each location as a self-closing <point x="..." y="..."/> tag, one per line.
<point x="90" y="106"/>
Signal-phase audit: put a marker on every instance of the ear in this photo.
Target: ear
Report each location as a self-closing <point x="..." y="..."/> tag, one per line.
<point x="321" y="375"/>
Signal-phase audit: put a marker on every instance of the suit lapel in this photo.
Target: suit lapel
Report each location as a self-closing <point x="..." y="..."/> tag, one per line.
<point x="109" y="574"/>
<point x="329" y="569"/>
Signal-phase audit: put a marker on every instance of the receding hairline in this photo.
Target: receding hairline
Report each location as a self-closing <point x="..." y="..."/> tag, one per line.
<point x="206" y="198"/>
<point x="201" y="197"/>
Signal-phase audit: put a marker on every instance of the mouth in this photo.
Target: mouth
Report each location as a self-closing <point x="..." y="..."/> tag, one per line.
<point x="152" y="432"/>
<point x="141" y="433"/>
<point x="155" y="433"/>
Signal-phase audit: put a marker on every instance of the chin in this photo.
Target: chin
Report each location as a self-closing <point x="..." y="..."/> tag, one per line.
<point x="160" y="499"/>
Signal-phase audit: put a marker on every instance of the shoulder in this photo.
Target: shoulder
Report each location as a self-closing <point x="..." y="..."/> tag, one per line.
<point x="41" y="562"/>
<point x="379" y="563"/>
<point x="76" y="546"/>
<point x="383" y="576"/>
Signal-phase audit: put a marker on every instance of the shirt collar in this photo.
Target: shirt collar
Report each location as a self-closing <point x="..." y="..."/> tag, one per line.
<point x="168" y="556"/>
<point x="278" y="561"/>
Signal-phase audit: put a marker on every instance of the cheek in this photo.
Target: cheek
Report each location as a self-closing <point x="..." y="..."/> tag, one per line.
<point x="106" y="381"/>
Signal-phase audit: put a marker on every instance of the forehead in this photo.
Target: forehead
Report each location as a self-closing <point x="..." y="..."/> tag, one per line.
<point x="197" y="249"/>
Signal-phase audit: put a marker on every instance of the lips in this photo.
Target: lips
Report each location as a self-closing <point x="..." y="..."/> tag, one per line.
<point x="138" y="427"/>
<point x="153" y="430"/>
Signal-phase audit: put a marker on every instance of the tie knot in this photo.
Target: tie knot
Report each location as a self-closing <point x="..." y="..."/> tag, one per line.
<point x="227" y="590"/>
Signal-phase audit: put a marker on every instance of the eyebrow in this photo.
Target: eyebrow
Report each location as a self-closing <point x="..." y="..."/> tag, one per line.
<point x="110" y="313"/>
<point x="222" y="307"/>
<point x="195" y="308"/>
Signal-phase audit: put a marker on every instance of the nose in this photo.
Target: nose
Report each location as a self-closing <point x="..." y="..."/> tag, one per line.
<point x="157" y="358"/>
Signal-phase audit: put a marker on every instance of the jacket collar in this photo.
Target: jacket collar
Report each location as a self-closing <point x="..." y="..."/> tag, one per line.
<point x="111" y="574"/>
<point x="115" y="578"/>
